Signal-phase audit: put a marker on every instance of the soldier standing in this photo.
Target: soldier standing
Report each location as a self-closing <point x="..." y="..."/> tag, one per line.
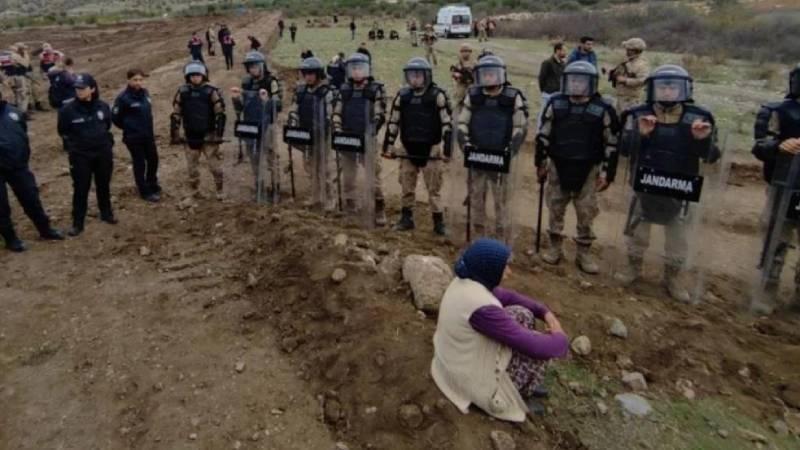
<point x="671" y="134"/>
<point x="461" y="73"/>
<point x="576" y="152"/>
<point x="628" y="78"/>
<point x="421" y="116"/>
<point x="429" y="40"/>
<point x="199" y="107"/>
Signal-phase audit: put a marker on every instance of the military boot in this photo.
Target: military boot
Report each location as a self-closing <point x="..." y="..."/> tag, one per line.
<point x="49" y="233"/>
<point x="380" y="213"/>
<point x="675" y="282"/>
<point x="438" y="224"/>
<point x="554" y="253"/>
<point x="13" y="243"/>
<point x="77" y="228"/>
<point x="631" y="272"/>
<point x="585" y="260"/>
<point x="406" y="221"/>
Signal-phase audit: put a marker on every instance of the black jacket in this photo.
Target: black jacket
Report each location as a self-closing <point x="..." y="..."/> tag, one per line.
<point x="15" y="151"/>
<point x="133" y="114"/>
<point x="85" y="127"/>
<point x="550" y="75"/>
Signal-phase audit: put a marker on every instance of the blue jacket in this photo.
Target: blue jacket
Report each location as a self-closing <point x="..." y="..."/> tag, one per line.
<point x="133" y="114"/>
<point x="15" y="151"/>
<point x="85" y="127"/>
<point x="577" y="55"/>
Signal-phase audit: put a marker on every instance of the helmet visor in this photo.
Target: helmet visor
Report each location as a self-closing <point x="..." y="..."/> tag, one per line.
<point x="358" y="70"/>
<point x="417" y="79"/>
<point x="670" y="90"/>
<point x="578" y="85"/>
<point x="490" y="76"/>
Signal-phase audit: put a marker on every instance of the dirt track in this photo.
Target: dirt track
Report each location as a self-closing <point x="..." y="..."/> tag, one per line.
<point x="129" y="336"/>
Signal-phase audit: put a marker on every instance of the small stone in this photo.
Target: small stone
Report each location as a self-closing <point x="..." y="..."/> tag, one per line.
<point x="340" y="240"/>
<point x="186" y="203"/>
<point x="581" y="345"/>
<point x="193" y="437"/>
<point x="411" y="416"/>
<point x="144" y="251"/>
<point x="634" y="381"/>
<point x="252" y="280"/>
<point x="219" y="242"/>
<point x="585" y="285"/>
<point x="502" y="440"/>
<point x="429" y="277"/>
<point x="602" y="408"/>
<point x="577" y="388"/>
<point x="341" y="446"/>
<point x="422" y="315"/>
<point x="338" y="275"/>
<point x="634" y="404"/>
<point x="240" y="366"/>
<point x="255" y="436"/>
<point x="753" y="436"/>
<point x="618" y="329"/>
<point x="371" y="410"/>
<point x="237" y="445"/>
<point x="624" y="362"/>
<point x="723" y="433"/>
<point x="779" y="427"/>
<point x="686" y="388"/>
<point x="195" y="422"/>
<point x="744" y="372"/>
<point x="276" y="412"/>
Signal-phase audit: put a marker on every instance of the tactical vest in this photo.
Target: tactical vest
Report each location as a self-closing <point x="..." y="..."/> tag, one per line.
<point x="789" y="120"/>
<point x="666" y="147"/>
<point x="357" y="106"/>
<point x="252" y="108"/>
<point x="577" y="129"/>
<point x="420" y="122"/>
<point x="306" y="101"/>
<point x="197" y="109"/>
<point x="492" y="121"/>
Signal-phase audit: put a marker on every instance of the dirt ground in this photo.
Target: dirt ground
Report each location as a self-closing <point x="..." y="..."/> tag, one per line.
<point x="205" y="324"/>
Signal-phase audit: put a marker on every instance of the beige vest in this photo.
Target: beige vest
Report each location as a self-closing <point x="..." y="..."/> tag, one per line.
<point x="468" y="367"/>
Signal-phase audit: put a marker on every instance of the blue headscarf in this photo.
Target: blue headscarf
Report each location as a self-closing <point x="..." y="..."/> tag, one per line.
<point x="484" y="261"/>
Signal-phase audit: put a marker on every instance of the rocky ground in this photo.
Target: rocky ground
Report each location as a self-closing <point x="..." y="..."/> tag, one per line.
<point x="205" y="324"/>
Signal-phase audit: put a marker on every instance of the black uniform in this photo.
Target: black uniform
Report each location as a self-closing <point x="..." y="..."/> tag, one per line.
<point x="336" y="73"/>
<point x="293" y="32"/>
<point x="227" y="43"/>
<point x="85" y="128"/>
<point x="133" y="114"/>
<point x="61" y="88"/>
<point x="14" y="156"/>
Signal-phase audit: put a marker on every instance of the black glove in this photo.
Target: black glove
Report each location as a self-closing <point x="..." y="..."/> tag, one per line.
<point x="447" y="145"/>
<point x="174" y="129"/>
<point x="220" y="124"/>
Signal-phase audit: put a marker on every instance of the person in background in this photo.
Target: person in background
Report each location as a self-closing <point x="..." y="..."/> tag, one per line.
<point x="584" y="52"/>
<point x="487" y="351"/>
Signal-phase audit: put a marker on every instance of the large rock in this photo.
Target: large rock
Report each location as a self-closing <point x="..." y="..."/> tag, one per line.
<point x="502" y="440"/>
<point x="581" y="345"/>
<point x="634" y="404"/>
<point x="429" y="277"/>
<point x="618" y="329"/>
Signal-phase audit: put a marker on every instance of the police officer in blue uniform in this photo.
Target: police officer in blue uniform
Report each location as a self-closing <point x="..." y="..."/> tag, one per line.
<point x="85" y="127"/>
<point x="15" y="154"/>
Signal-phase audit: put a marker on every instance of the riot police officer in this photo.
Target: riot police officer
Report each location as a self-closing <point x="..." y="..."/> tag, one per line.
<point x="15" y="153"/>
<point x="200" y="108"/>
<point x="312" y="109"/>
<point x="578" y="139"/>
<point x="420" y="114"/>
<point x="493" y="118"/>
<point x="251" y="107"/>
<point x="669" y="134"/>
<point x="85" y="127"/>
<point x="777" y="145"/>
<point x="361" y="99"/>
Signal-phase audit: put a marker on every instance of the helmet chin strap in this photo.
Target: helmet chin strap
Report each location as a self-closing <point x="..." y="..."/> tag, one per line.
<point x="668" y="105"/>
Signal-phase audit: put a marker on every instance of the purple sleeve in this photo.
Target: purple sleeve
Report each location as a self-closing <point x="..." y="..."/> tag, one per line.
<point x="508" y="297"/>
<point x="495" y="323"/>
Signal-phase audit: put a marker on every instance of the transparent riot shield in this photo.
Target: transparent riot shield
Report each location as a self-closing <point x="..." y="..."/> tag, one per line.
<point x="356" y="161"/>
<point x="238" y="174"/>
<point x="672" y="202"/>
<point x="266" y="162"/>
<point x="780" y="224"/>
<point x="319" y="164"/>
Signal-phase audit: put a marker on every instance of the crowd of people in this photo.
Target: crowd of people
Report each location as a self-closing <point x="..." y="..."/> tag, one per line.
<point x="487" y="351"/>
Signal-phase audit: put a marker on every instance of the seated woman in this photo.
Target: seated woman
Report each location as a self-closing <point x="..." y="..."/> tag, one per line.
<point x="486" y="351"/>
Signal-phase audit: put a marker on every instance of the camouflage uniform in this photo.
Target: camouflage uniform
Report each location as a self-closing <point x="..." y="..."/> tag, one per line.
<point x="432" y="171"/>
<point x="462" y="85"/>
<point x="635" y="69"/>
<point x="482" y="36"/>
<point x="482" y="180"/>
<point x="210" y="148"/>
<point x="308" y="161"/>
<point x="429" y="39"/>
<point x="20" y="83"/>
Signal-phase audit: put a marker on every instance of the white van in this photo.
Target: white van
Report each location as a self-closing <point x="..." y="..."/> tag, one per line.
<point x="454" y="21"/>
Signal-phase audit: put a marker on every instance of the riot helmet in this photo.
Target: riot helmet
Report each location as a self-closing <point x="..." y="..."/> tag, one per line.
<point x="794" y="82"/>
<point x="255" y="58"/>
<point x="357" y="67"/>
<point x="490" y="72"/>
<point x="579" y="79"/>
<point x="312" y="65"/>
<point x="669" y="84"/>
<point x="418" y="73"/>
<point x="195" y="68"/>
